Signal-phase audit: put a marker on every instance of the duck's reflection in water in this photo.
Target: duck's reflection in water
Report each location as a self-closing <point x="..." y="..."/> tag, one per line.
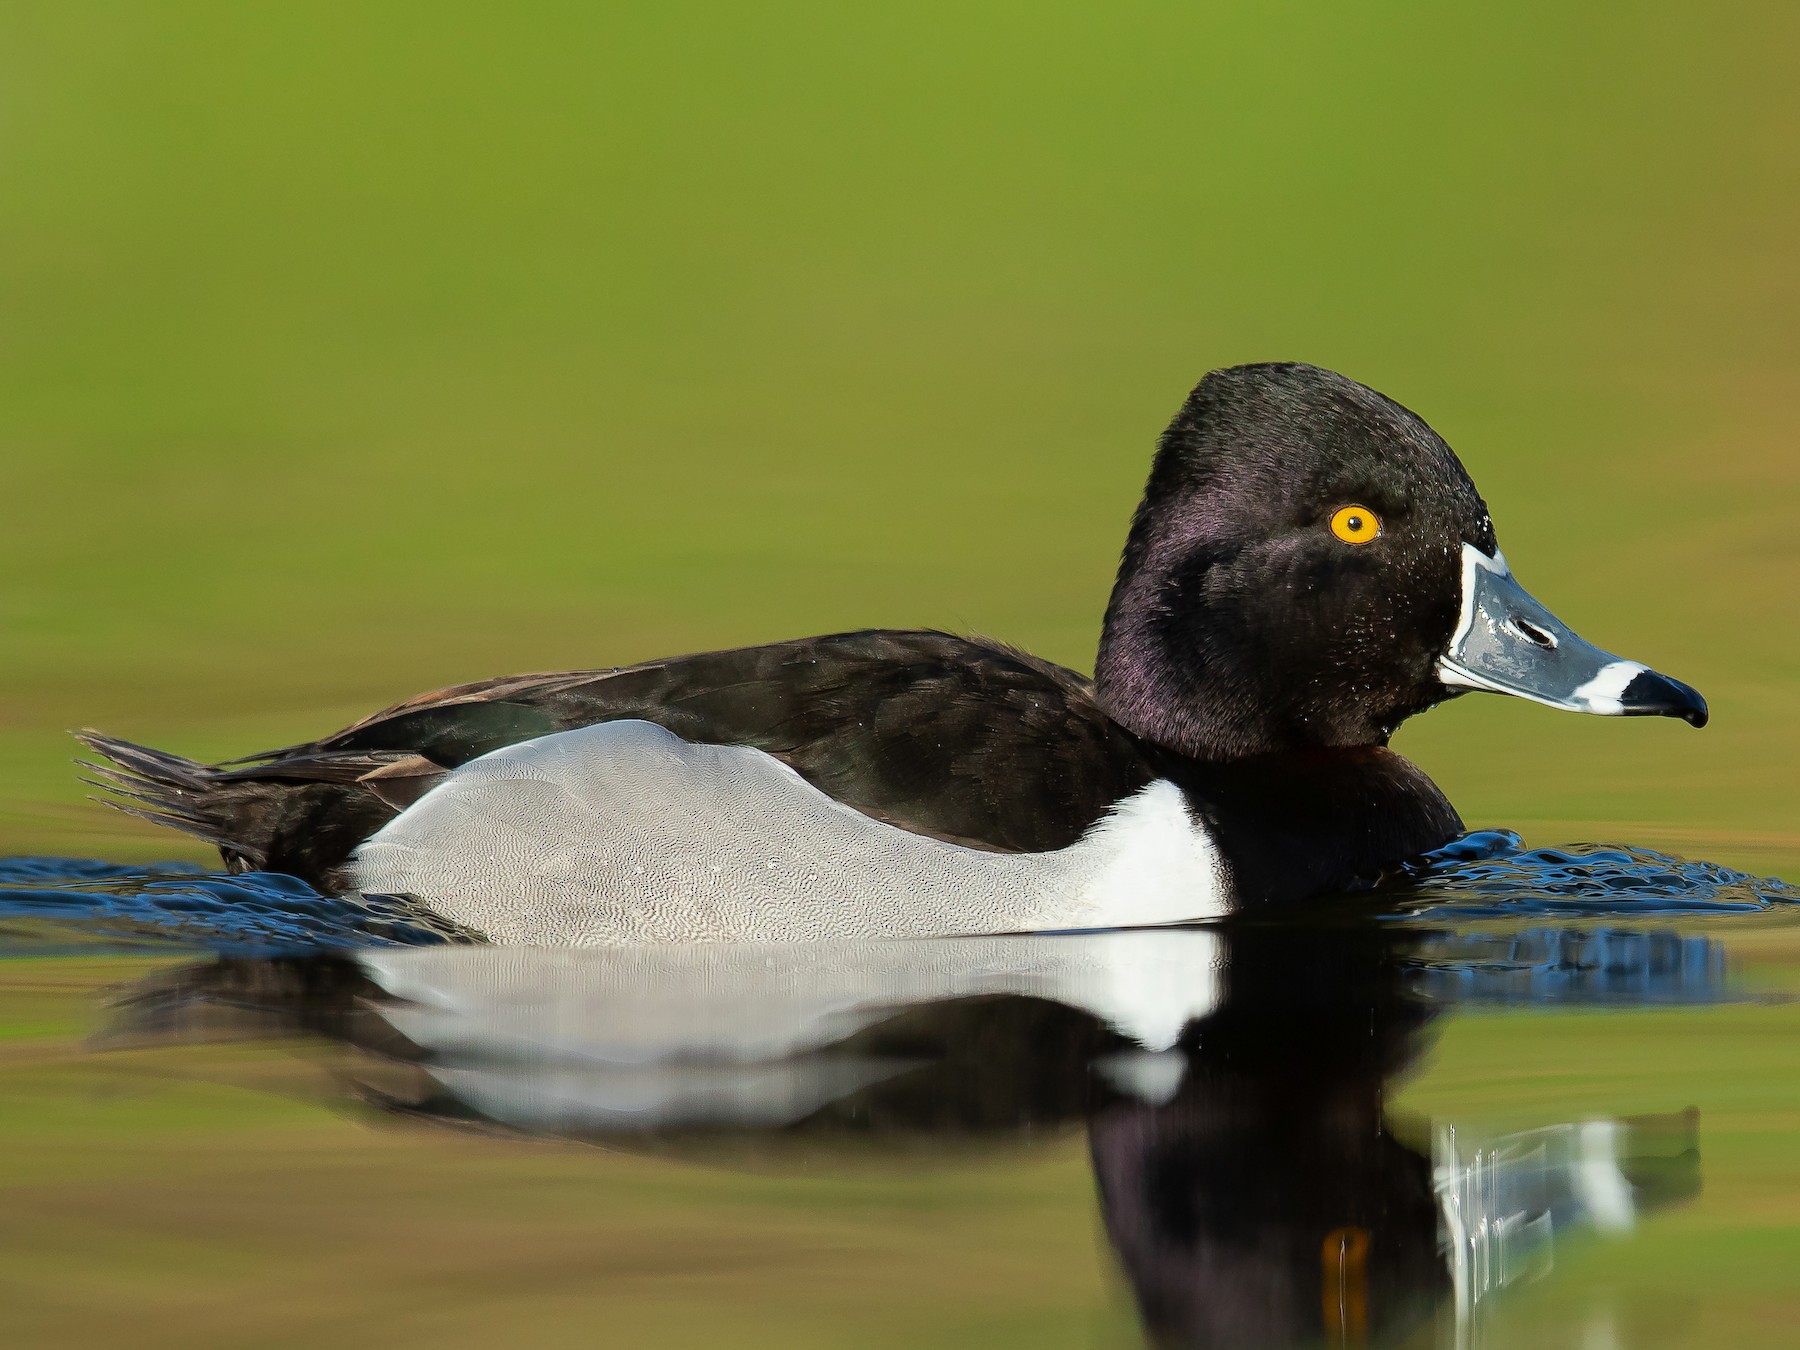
<point x="1267" y="1201"/>
<point x="1231" y="1081"/>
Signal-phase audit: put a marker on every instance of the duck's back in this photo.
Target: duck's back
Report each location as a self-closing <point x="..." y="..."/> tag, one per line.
<point x="958" y="739"/>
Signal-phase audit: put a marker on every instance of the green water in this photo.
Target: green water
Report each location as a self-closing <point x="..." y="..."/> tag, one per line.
<point x="355" y="350"/>
<point x="224" y="1182"/>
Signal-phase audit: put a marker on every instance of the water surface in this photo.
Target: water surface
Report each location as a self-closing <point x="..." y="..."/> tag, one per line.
<point x="1519" y="1097"/>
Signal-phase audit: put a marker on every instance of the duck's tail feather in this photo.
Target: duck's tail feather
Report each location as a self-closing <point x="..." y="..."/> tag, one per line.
<point x="301" y="810"/>
<point x="198" y="799"/>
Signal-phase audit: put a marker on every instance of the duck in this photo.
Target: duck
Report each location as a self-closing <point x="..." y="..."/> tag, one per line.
<point x="1309" y="566"/>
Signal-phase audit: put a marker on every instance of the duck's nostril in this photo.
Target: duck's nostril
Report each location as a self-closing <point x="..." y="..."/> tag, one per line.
<point x="1538" y="637"/>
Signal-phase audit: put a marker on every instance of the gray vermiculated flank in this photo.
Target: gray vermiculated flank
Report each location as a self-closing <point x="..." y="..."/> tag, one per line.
<point x="624" y="833"/>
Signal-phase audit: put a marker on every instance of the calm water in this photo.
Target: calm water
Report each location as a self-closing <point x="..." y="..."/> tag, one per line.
<point x="1534" y="1098"/>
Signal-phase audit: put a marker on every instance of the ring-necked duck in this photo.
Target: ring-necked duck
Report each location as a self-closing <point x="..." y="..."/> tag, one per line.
<point x="1309" y="567"/>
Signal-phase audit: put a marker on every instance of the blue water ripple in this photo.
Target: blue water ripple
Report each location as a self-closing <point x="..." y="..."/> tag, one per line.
<point x="162" y="904"/>
<point x="1488" y="874"/>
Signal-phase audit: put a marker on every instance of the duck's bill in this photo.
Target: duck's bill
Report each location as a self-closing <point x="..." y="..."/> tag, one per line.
<point x="1507" y="643"/>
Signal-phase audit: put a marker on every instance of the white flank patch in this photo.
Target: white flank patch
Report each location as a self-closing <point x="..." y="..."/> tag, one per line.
<point x="625" y="833"/>
<point x="1155" y="862"/>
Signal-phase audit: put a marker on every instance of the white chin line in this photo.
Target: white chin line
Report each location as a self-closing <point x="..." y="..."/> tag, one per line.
<point x="1603" y="695"/>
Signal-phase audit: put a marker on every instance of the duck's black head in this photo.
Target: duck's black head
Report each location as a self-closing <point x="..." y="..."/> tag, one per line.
<point x="1311" y="566"/>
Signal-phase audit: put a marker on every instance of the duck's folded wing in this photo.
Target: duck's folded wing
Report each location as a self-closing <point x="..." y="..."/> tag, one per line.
<point x="955" y="737"/>
<point x="959" y="738"/>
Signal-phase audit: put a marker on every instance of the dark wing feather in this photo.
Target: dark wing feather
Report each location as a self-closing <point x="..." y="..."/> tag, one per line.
<point x="955" y="737"/>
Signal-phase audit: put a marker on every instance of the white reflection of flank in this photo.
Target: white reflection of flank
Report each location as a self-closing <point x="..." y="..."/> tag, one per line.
<point x="716" y="1032"/>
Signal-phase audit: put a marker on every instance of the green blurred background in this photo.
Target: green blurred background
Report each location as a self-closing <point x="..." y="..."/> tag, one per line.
<point x="352" y="350"/>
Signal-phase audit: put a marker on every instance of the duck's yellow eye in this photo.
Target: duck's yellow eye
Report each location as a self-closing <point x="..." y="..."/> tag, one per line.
<point x="1355" y="524"/>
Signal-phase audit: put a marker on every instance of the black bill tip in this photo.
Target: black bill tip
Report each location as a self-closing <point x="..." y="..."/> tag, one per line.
<point x="1653" y="695"/>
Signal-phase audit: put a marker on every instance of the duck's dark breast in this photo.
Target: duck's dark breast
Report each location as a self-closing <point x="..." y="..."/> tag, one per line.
<point x="1305" y="823"/>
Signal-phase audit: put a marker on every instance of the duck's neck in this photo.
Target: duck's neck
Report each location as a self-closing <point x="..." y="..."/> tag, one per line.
<point x="1310" y="822"/>
<point x="1161" y="680"/>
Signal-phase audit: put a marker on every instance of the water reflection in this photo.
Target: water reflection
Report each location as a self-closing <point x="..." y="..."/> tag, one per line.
<point x="1504" y="1201"/>
<point x="1232" y="1084"/>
